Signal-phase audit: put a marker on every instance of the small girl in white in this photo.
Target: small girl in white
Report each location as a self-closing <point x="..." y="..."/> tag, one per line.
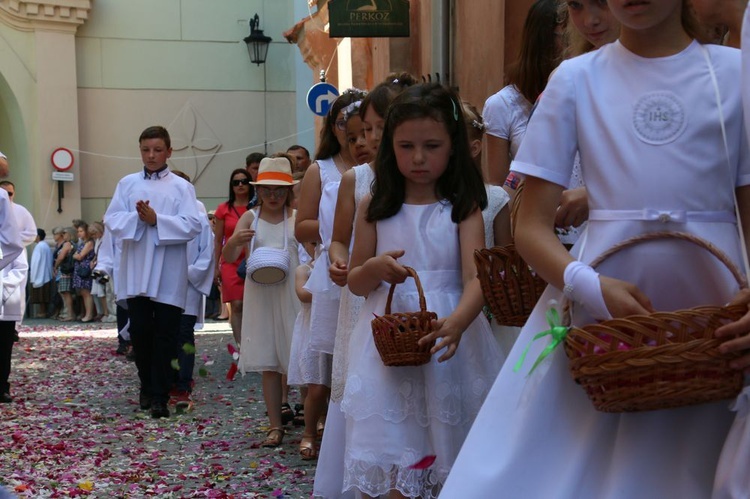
<point x="424" y="212"/>
<point x="270" y="310"/>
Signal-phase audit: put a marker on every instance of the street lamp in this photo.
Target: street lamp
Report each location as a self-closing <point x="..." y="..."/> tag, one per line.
<point x="257" y="49"/>
<point x="257" y="42"/>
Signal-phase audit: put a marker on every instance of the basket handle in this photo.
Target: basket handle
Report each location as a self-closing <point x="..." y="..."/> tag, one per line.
<point x="422" y="301"/>
<point x="683" y="236"/>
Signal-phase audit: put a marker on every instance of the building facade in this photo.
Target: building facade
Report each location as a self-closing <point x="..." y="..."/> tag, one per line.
<point x="89" y="75"/>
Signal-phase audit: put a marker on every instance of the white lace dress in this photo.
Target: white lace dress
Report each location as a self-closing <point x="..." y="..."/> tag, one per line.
<point x="325" y="304"/>
<point x="396" y="416"/>
<point x="350" y="303"/>
<point x="305" y="366"/>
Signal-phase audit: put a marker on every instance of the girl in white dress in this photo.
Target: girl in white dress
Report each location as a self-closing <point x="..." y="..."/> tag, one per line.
<point x="644" y="114"/>
<point x="496" y="218"/>
<point x="314" y="225"/>
<point x="270" y="309"/>
<point x="406" y="424"/>
<point x="732" y="477"/>
<point x="506" y="113"/>
<point x="355" y="185"/>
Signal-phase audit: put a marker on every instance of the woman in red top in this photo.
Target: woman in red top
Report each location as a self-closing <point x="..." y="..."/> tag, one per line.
<point x="232" y="286"/>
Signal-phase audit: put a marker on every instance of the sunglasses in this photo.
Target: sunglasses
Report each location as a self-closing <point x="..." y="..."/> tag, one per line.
<point x="237" y="183"/>
<point x="273" y="193"/>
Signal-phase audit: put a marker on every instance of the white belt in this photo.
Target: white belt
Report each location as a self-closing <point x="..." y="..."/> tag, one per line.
<point x="664" y="216"/>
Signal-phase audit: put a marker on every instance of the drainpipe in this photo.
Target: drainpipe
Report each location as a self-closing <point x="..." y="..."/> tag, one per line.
<point x="443" y="46"/>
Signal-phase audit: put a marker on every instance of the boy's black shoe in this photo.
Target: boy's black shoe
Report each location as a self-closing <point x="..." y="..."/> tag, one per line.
<point x="144" y="400"/>
<point x="5" y="398"/>
<point x="159" y="410"/>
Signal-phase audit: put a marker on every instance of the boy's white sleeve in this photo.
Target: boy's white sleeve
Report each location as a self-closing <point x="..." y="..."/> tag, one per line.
<point x="121" y="219"/>
<point x="200" y="270"/>
<point x="105" y="256"/>
<point x="10" y="238"/>
<point x="14" y="277"/>
<point x="185" y="225"/>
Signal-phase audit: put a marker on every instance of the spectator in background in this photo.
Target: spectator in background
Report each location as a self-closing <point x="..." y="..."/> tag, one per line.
<point x="42" y="289"/>
<point x="302" y="157"/>
<point x="241" y="196"/>
<point x="3" y="165"/>
<point x="252" y="163"/>
<point x="83" y="267"/>
<point x="98" y="288"/>
<point x="63" y="270"/>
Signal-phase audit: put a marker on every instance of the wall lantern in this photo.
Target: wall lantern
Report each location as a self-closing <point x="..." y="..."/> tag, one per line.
<point x="257" y="42"/>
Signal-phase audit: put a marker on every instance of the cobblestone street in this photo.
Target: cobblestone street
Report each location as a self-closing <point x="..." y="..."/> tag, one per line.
<point x="75" y="428"/>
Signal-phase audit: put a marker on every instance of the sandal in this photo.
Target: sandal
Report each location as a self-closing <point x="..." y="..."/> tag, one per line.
<point x="287" y="414"/>
<point x="274" y="437"/>
<point x="321" y="428"/>
<point x="299" y="415"/>
<point x="307" y="450"/>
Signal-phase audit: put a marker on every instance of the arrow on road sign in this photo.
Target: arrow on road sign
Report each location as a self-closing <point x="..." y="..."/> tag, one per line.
<point x="327" y="98"/>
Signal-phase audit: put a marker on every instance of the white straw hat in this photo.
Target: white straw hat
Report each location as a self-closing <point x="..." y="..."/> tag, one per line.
<point x="275" y="171"/>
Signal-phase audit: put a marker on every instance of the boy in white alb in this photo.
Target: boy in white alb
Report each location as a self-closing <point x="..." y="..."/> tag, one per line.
<point x="11" y="249"/>
<point x="200" y="255"/>
<point x="153" y="215"/>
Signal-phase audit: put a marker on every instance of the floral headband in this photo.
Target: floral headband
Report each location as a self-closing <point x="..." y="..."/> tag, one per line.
<point x="351" y="109"/>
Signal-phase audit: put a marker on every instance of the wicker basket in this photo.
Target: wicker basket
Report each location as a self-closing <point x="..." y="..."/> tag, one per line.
<point x="396" y="335"/>
<point x="511" y="288"/>
<point x="660" y="360"/>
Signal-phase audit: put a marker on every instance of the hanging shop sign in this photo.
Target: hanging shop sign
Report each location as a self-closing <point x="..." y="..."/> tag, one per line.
<point x="368" y="18"/>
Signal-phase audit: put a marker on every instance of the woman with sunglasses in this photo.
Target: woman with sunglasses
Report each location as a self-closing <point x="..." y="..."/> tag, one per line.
<point x="241" y="195"/>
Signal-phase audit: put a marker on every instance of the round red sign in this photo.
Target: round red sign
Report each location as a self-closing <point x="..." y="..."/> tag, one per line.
<point x="62" y="159"/>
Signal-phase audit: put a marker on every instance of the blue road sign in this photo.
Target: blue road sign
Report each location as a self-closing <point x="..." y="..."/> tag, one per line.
<point x="320" y="97"/>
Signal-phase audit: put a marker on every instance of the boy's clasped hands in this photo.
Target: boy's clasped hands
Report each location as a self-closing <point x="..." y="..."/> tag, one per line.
<point x="145" y="212"/>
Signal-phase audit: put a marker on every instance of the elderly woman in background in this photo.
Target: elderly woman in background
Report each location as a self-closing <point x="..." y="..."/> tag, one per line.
<point x="63" y="267"/>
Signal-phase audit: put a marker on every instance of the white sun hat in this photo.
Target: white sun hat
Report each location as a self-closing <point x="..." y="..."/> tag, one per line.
<point x="275" y="171"/>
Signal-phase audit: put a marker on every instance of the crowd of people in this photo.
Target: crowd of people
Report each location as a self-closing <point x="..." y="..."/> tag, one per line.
<point x="613" y="116"/>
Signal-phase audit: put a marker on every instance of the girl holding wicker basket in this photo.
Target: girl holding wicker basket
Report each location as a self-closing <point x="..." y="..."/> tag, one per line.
<point x="653" y="115"/>
<point x="406" y="424"/>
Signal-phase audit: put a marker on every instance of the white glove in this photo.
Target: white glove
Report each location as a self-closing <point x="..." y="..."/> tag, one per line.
<point x="582" y="285"/>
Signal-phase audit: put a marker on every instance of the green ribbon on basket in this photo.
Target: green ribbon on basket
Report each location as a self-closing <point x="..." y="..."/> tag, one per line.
<point x="558" y="333"/>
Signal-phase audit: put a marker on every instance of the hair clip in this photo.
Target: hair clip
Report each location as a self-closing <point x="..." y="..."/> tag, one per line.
<point x="395" y="81"/>
<point x="455" y="110"/>
<point x="354" y="91"/>
<point x="351" y="109"/>
<point x="476" y="124"/>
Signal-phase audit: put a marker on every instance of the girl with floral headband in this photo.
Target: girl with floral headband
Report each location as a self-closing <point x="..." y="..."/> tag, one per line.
<point x="314" y="225"/>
